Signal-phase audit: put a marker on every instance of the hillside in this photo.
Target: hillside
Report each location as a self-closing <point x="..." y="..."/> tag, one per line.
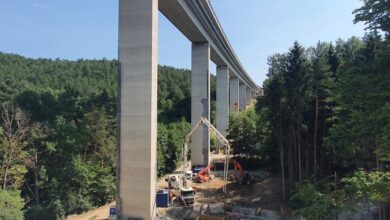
<point x="65" y="163"/>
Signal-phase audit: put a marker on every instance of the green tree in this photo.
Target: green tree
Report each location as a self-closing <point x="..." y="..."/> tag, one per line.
<point x="243" y="134"/>
<point x="375" y="14"/>
<point x="371" y="187"/>
<point x="13" y="141"/>
<point x="11" y="205"/>
<point x="311" y="203"/>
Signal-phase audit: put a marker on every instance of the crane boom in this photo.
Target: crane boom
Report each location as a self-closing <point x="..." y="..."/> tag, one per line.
<point x="204" y="122"/>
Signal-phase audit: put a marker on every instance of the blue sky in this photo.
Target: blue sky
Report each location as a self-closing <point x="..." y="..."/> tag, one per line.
<point x="72" y="29"/>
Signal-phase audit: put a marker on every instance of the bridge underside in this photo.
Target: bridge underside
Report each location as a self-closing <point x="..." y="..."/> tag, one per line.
<point x="138" y="49"/>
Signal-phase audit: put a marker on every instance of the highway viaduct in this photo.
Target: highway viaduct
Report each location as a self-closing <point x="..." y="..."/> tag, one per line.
<point x="138" y="57"/>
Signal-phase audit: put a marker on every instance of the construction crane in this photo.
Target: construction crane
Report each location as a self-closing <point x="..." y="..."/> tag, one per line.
<point x="221" y="139"/>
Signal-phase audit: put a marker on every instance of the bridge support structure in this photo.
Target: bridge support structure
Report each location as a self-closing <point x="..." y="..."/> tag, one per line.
<point x="137" y="118"/>
<point x="200" y="103"/>
<point x="242" y="97"/>
<point x="234" y="91"/>
<point x="222" y="108"/>
<point x="137" y="139"/>
<point x="248" y="96"/>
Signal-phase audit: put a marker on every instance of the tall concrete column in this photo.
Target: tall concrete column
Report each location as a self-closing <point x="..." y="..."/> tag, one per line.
<point x="200" y="103"/>
<point x="248" y="96"/>
<point x="242" y="97"/>
<point x="137" y="139"/>
<point x="222" y="100"/>
<point x="234" y="94"/>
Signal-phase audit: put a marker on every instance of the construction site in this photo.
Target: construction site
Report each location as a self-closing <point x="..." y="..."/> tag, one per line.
<point x="256" y="197"/>
<point x="221" y="190"/>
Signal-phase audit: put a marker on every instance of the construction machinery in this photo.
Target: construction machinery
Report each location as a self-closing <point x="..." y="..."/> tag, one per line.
<point x="173" y="181"/>
<point x="240" y="175"/>
<point x="187" y="196"/>
<point x="204" y="175"/>
<point x="238" y="167"/>
<point x="221" y="139"/>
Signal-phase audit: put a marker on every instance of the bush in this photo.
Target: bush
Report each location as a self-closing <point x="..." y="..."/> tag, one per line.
<point x="11" y="205"/>
<point x="38" y="212"/>
<point x="309" y="202"/>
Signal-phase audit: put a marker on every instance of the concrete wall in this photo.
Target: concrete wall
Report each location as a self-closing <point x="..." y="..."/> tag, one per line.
<point x="136" y="168"/>
<point x="200" y="103"/>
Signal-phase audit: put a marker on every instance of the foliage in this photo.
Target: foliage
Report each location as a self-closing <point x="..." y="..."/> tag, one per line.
<point x="170" y="145"/>
<point x="369" y="186"/>
<point x="326" y="110"/>
<point x="242" y="132"/>
<point x="13" y="141"/>
<point x="375" y="13"/>
<point x="67" y="164"/>
<point x="310" y="203"/>
<point x="361" y="117"/>
<point x="11" y="205"/>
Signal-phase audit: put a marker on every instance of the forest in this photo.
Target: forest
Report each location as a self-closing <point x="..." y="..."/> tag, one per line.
<point x="325" y="116"/>
<point x="58" y="132"/>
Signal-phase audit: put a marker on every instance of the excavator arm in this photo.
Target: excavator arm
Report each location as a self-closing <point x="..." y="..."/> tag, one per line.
<point x="238" y="167"/>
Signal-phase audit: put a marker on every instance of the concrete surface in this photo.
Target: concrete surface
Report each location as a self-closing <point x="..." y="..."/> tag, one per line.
<point x="248" y="96"/>
<point x="234" y="94"/>
<point x="222" y="109"/>
<point x="138" y="57"/>
<point x="242" y="97"/>
<point x="200" y="103"/>
<point x="138" y="30"/>
<point x="197" y="20"/>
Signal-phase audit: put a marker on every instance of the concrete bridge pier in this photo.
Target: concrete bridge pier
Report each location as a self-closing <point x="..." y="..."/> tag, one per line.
<point x="248" y="96"/>
<point x="222" y="109"/>
<point x="200" y="103"/>
<point x="253" y="95"/>
<point x="234" y="94"/>
<point x="137" y="139"/>
<point x="242" y="97"/>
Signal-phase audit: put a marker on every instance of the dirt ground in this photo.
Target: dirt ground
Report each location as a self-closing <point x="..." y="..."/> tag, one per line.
<point x="264" y="193"/>
<point x="97" y="214"/>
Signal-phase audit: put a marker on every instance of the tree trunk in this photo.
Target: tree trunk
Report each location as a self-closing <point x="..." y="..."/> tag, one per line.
<point x="36" y="185"/>
<point x="282" y="163"/>
<point x="299" y="149"/>
<point x="36" y="181"/>
<point x="294" y="153"/>
<point x="315" y="134"/>
<point x="378" y="166"/>
<point x="5" y="177"/>
<point x="307" y="158"/>
<point x="290" y="162"/>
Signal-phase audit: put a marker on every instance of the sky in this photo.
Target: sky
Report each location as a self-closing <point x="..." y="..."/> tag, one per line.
<point x="256" y="29"/>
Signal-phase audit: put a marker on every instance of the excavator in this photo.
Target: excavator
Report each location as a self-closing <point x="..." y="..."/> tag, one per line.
<point x="238" y="167"/>
<point x="204" y="175"/>
<point x="243" y="178"/>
